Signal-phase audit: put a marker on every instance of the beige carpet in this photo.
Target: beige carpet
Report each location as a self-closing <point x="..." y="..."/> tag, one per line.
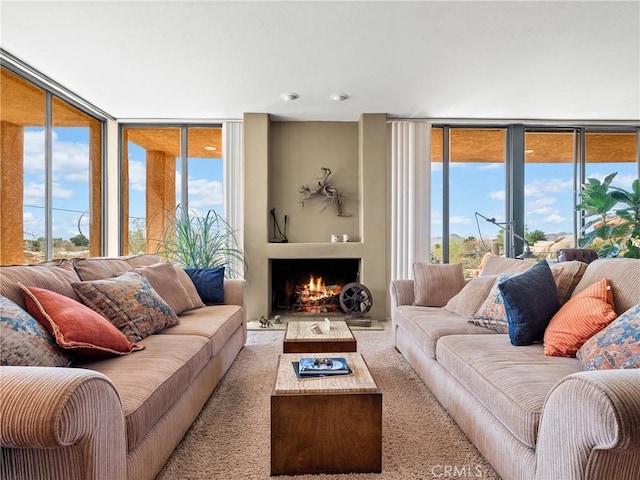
<point x="230" y="440"/>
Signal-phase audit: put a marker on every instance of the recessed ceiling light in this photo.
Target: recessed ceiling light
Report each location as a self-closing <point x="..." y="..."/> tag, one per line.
<point x="289" y="96"/>
<point x="210" y="148"/>
<point x="338" y="97"/>
<point x="528" y="152"/>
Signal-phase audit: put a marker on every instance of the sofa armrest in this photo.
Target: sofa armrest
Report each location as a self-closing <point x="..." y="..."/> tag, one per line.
<point x="45" y="409"/>
<point x="401" y="293"/>
<point x="590" y="427"/>
<point x="235" y="292"/>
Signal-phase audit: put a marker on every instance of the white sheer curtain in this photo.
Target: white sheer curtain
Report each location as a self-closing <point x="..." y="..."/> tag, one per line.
<point x="410" y="196"/>
<point x="233" y="173"/>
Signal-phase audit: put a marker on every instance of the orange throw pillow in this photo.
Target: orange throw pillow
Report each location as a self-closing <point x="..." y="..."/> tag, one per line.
<point x="75" y="326"/>
<point x="579" y="319"/>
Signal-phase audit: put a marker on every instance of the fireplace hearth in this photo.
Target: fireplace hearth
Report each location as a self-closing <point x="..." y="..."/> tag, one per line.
<point x="310" y="286"/>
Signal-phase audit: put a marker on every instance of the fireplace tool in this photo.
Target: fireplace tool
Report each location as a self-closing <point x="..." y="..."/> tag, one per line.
<point x="278" y="235"/>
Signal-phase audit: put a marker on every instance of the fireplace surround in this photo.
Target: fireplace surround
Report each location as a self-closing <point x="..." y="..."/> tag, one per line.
<point x="310" y="286"/>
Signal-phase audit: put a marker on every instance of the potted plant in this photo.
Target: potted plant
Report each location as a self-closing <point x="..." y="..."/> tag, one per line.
<point x="194" y="241"/>
<point x="612" y="232"/>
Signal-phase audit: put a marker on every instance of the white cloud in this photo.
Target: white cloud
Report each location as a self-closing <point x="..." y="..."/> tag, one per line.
<point x="490" y="166"/>
<point x="556" y="219"/>
<point x="460" y="220"/>
<point x="137" y="176"/>
<point x="34" y="193"/>
<point x="542" y="187"/>
<point x="497" y="195"/>
<point x="70" y="159"/>
<point x="204" y="194"/>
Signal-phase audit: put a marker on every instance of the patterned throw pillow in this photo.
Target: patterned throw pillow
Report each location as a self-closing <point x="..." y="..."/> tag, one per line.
<point x="579" y="319"/>
<point x="492" y="313"/>
<point x="24" y="342"/>
<point x="130" y="303"/>
<point x="74" y="326"/>
<point x="616" y="346"/>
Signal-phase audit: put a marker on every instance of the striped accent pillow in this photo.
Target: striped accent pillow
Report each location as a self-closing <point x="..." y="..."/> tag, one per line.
<point x="579" y="319"/>
<point x="436" y="284"/>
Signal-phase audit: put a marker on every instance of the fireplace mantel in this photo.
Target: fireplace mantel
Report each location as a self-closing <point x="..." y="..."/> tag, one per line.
<point x="315" y="250"/>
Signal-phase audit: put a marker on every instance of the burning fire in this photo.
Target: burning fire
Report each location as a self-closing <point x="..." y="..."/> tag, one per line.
<point x="315" y="290"/>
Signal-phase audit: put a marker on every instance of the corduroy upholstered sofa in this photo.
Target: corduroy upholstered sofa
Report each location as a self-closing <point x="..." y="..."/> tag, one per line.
<point x="532" y="416"/>
<point x="119" y="417"/>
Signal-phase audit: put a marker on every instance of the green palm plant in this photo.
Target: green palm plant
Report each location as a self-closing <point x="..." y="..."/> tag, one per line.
<point x="195" y="241"/>
<point x="616" y="232"/>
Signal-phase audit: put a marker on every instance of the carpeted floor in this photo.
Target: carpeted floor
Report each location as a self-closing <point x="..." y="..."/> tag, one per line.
<point x="230" y="440"/>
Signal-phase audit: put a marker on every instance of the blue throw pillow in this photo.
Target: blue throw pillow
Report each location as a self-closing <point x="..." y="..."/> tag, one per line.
<point x="209" y="283"/>
<point x="530" y="300"/>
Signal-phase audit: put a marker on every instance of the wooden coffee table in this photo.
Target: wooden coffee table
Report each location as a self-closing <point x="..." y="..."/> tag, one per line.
<point x="327" y="424"/>
<point x="298" y="338"/>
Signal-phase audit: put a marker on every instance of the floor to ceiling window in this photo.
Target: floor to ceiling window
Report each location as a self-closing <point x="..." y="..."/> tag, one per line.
<point x="165" y="167"/>
<point x="50" y="202"/>
<point x="526" y="179"/>
<point x="551" y="182"/>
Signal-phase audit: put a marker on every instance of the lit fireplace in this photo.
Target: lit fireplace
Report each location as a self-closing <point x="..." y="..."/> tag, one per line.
<point x="315" y="297"/>
<point x="310" y="286"/>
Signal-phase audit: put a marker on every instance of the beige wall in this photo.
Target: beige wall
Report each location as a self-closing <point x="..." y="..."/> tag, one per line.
<point x="297" y="151"/>
<point x="279" y="158"/>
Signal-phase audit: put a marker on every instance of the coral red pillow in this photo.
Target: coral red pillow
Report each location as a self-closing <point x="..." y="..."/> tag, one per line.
<point x="579" y="319"/>
<point x="74" y="326"/>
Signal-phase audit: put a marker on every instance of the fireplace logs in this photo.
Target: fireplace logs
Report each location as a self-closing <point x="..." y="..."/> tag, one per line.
<point x="316" y="297"/>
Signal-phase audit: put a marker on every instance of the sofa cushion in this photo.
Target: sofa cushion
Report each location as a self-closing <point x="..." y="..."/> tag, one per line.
<point x="98" y="268"/>
<point x="511" y="382"/>
<point x="623" y="275"/>
<point x="615" y="346"/>
<point x="492" y="313"/>
<point x="530" y="300"/>
<point x="172" y="284"/>
<point x="471" y="297"/>
<point x="426" y="325"/>
<point x="152" y="380"/>
<point x="567" y="275"/>
<point x="56" y="276"/>
<point x="74" y="326"/>
<point x="436" y="284"/>
<point x="216" y="323"/>
<point x="25" y="342"/>
<point x="579" y="319"/>
<point x="500" y="265"/>
<point x="209" y="283"/>
<point x="130" y="303"/>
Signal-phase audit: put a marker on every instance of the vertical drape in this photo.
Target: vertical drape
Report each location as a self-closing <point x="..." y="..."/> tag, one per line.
<point x="410" y="196"/>
<point x="233" y="173"/>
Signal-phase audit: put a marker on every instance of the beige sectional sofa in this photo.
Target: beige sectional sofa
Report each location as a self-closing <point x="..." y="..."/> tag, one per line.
<point x="118" y="417"/>
<point x="532" y="416"/>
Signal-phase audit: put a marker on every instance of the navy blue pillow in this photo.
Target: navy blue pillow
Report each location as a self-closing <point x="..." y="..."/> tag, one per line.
<point x="209" y="283"/>
<point x="530" y="301"/>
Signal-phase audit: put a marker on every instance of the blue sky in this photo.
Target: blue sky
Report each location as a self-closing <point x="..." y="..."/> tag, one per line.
<point x="71" y="182"/>
<point x="475" y="187"/>
<point x="479" y="187"/>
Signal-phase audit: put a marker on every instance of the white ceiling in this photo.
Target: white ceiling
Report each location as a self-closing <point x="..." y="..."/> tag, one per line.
<point x="564" y="60"/>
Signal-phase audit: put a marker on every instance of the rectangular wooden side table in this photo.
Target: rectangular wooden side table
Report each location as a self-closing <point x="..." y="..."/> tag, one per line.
<point x="327" y="424"/>
<point x="298" y="338"/>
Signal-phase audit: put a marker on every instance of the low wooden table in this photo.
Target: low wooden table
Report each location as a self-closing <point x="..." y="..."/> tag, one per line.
<point x="298" y="338"/>
<point x="327" y="424"/>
